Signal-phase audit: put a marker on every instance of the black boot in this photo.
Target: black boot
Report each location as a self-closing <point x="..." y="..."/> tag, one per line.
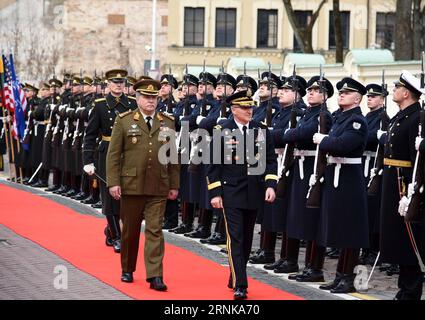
<point x="274" y="265"/>
<point x="333" y="284"/>
<point x="97" y="205"/>
<point x="263" y="258"/>
<point x="88" y="200"/>
<point x="287" y="267"/>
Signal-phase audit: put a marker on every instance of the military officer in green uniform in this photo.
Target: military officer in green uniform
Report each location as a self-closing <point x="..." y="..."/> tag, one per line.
<point x="137" y="177"/>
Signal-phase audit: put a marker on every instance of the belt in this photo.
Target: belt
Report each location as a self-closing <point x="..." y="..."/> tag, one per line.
<point x="397" y="163"/>
<point x="46" y="121"/>
<point x="106" y="138"/>
<point x="302" y="154"/>
<point x="340" y="161"/>
<point x="39" y="123"/>
<point x="369" y="155"/>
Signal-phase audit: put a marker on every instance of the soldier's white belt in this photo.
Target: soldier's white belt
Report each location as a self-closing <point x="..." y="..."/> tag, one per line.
<point x="340" y="161"/>
<point x="302" y="154"/>
<point x="369" y="155"/>
<point x="39" y="123"/>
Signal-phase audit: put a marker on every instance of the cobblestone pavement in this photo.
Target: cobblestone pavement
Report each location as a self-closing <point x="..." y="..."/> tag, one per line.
<point x="30" y="272"/>
<point x="381" y="286"/>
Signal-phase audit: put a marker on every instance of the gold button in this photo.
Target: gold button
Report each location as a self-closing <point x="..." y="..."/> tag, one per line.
<point x="150" y="143"/>
<point x="150" y="150"/>
<point x="149" y="167"/>
<point x="150" y="159"/>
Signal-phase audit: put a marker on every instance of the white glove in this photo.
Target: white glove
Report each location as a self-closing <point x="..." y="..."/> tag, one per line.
<point x="379" y="133"/>
<point x="418" y="142"/>
<point x="181" y="117"/>
<point x="89" y="169"/>
<point x="318" y="137"/>
<point x="403" y="206"/>
<point x="410" y="190"/>
<point x="372" y="173"/>
<point x="286" y="130"/>
<point x="199" y="119"/>
<point x="221" y="119"/>
<point x="312" y="180"/>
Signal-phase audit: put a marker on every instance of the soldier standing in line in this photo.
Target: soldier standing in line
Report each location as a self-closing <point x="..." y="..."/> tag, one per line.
<point x="101" y="122"/>
<point x="343" y="221"/>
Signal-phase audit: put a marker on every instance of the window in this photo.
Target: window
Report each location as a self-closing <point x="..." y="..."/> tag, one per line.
<point x="194" y="27"/>
<point x="225" y="28"/>
<point x="345" y="21"/>
<point x="303" y="19"/>
<point x="267" y="29"/>
<point x="385" y="27"/>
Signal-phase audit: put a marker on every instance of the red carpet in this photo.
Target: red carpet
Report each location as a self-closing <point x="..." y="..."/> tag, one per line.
<point x="79" y="239"/>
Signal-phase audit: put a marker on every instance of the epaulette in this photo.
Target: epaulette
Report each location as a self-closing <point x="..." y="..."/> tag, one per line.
<point x="168" y="116"/>
<point x="100" y="100"/>
<point x="131" y="97"/>
<point x="218" y="127"/>
<point x="122" y="115"/>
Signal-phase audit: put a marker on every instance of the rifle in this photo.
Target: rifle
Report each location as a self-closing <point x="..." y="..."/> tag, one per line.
<point x="414" y="213"/>
<point x="204" y="98"/>
<point x="223" y="105"/>
<point x="378" y="166"/>
<point x="288" y="153"/>
<point x="320" y="162"/>
<point x="170" y="96"/>
<point x="186" y="110"/>
<point x="269" y="113"/>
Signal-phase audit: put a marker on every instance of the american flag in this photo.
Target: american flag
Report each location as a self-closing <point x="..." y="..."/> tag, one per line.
<point x="14" y="98"/>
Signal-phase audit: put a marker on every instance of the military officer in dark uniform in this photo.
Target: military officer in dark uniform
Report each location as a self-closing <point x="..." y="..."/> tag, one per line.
<point x="133" y="163"/>
<point x="400" y="154"/>
<point x="343" y="221"/>
<point x="168" y="83"/>
<point x="236" y="187"/>
<point x="375" y="102"/>
<point x="302" y="222"/>
<point x="101" y="122"/>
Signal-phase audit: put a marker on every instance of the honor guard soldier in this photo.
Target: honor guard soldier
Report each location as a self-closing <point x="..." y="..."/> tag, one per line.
<point x="166" y="101"/>
<point x="399" y="238"/>
<point x="236" y="187"/>
<point x="130" y="82"/>
<point x="101" y="122"/>
<point x="302" y="221"/>
<point x="343" y="221"/>
<point x="376" y="96"/>
<point x="133" y="164"/>
<point x="244" y="82"/>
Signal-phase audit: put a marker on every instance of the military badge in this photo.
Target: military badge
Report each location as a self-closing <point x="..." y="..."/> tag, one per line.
<point x="356" y="125"/>
<point x="134" y="140"/>
<point x="136" y="116"/>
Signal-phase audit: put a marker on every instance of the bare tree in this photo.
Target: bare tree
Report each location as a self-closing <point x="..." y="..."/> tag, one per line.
<point x="303" y="35"/>
<point x="417" y="30"/>
<point x="339" y="45"/>
<point x="403" y="39"/>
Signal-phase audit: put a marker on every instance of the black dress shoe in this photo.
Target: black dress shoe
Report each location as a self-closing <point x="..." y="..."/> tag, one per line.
<point x="224" y="250"/>
<point x="183" y="228"/>
<point x="311" y="276"/>
<point x="218" y="240"/>
<point x="274" y="265"/>
<point x="39" y="184"/>
<point x="80" y="196"/>
<point x="26" y="181"/>
<point x="97" y="205"/>
<point x="333" y="253"/>
<point x="127" y="277"/>
<point x="157" y="284"/>
<point x="262" y="258"/>
<point x="108" y="241"/>
<point x="53" y="188"/>
<point x="70" y="193"/>
<point x="212" y="236"/>
<point x="333" y="284"/>
<point x="287" y="267"/>
<point x="200" y="233"/>
<point x="88" y="200"/>
<point x="393" y="269"/>
<point x="117" y="245"/>
<point x="346" y="285"/>
<point x="240" y="294"/>
<point x="295" y="276"/>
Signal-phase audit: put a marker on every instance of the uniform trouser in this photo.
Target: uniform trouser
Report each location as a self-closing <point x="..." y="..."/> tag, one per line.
<point x="410" y="283"/>
<point x="134" y="209"/>
<point x="172" y="212"/>
<point x="240" y="230"/>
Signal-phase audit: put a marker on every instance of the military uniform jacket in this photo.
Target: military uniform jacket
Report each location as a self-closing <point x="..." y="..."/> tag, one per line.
<point x="232" y="181"/>
<point x="399" y="145"/>
<point x="260" y="112"/>
<point x="179" y="111"/>
<point x="343" y="221"/>
<point x="209" y="102"/>
<point x="132" y="159"/>
<point x="101" y="121"/>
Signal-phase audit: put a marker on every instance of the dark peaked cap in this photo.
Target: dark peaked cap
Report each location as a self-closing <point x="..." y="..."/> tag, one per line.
<point x="240" y="99"/>
<point x="274" y="79"/>
<point x="250" y="82"/>
<point x="225" y="78"/>
<point x="314" y="83"/>
<point x="190" y="79"/>
<point x="289" y="84"/>
<point x="167" y="78"/>
<point x="374" y="89"/>
<point x="349" y="84"/>
<point x="206" y="77"/>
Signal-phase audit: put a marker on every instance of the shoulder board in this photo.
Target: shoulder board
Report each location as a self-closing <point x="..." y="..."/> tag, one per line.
<point x="167" y="116"/>
<point x="100" y="100"/>
<point x="131" y="97"/>
<point x="122" y="115"/>
<point x="218" y="127"/>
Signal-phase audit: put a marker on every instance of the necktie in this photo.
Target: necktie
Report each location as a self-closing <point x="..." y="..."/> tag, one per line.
<point x="148" y="122"/>
<point x="244" y="128"/>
